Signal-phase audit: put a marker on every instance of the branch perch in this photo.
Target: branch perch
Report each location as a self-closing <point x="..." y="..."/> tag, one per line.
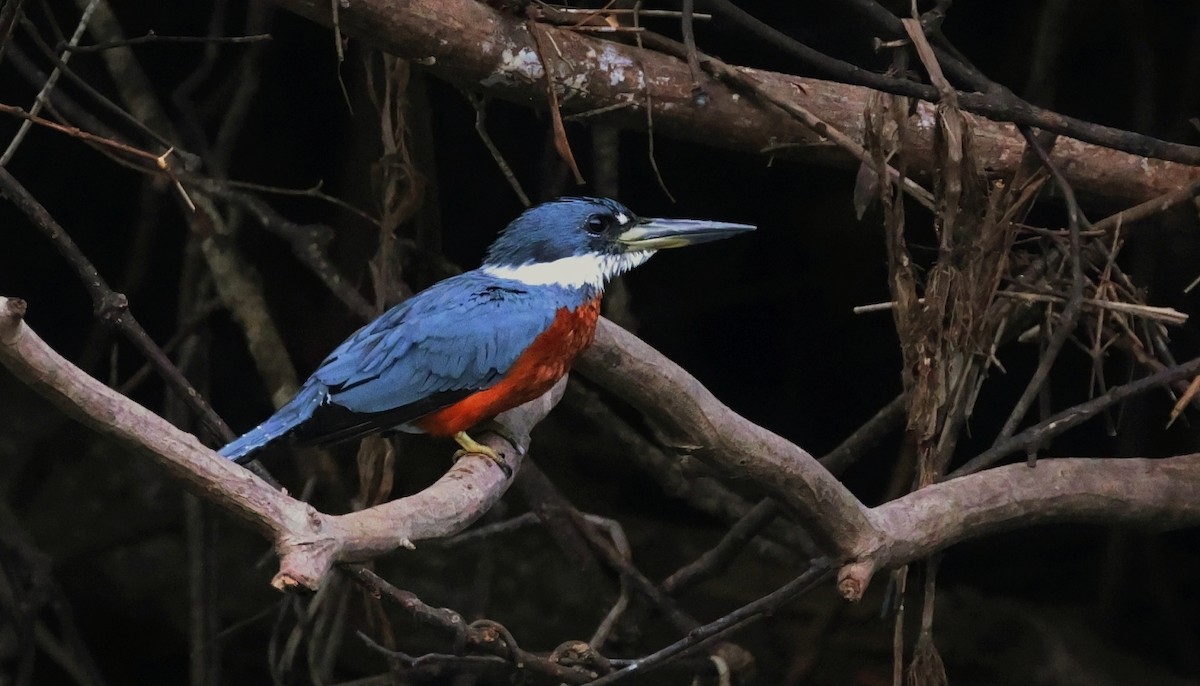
<point x="308" y="542"/>
<point x="1151" y="492"/>
<point x="1158" y="493"/>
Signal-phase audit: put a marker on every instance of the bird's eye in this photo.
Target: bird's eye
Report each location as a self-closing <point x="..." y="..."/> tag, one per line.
<point x="596" y="224"/>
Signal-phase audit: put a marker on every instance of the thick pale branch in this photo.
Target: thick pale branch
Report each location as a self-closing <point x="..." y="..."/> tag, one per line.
<point x="699" y="423"/>
<point x="308" y="542"/>
<point x="1158" y="493"/>
<point x="468" y="42"/>
<point x="97" y="406"/>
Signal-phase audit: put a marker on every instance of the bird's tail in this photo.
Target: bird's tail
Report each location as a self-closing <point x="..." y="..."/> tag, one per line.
<point x="284" y="421"/>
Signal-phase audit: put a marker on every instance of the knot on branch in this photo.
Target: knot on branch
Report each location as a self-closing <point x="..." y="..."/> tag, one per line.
<point x="12" y="312"/>
<point x="580" y="655"/>
<point x="853" y="580"/>
<point x="486" y="632"/>
<point x="305" y="559"/>
<point x="112" y="306"/>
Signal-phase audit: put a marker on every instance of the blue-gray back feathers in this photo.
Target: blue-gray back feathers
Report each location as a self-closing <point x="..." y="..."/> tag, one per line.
<point x="459" y="336"/>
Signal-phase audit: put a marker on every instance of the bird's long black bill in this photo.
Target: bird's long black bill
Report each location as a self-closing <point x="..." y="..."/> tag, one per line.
<point x="657" y="234"/>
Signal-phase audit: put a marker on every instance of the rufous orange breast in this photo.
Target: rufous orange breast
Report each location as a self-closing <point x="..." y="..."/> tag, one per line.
<point x="542" y="364"/>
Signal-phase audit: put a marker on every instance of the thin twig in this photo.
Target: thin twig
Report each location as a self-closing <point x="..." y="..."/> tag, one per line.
<point x="1168" y="315"/>
<point x="1069" y="318"/>
<point x="303" y="239"/>
<point x="480" y="105"/>
<point x="561" y="143"/>
<point x="689" y="44"/>
<point x="311" y="192"/>
<point x="717" y="559"/>
<point x="662" y="184"/>
<point x="819" y="570"/>
<point x="740" y="80"/>
<point x="44" y="93"/>
<point x="111" y="306"/>
<point x="994" y="102"/>
<point x="152" y="37"/>
<point x="468" y="635"/>
<point x="1067" y="419"/>
<point x="134" y="120"/>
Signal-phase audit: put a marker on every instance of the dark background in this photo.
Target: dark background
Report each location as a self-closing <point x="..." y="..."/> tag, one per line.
<point x="764" y="321"/>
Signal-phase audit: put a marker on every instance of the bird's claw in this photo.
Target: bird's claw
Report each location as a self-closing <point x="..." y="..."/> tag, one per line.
<point x="471" y="447"/>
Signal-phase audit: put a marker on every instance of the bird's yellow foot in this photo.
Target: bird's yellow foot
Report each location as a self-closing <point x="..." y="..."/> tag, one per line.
<point x="471" y="447"/>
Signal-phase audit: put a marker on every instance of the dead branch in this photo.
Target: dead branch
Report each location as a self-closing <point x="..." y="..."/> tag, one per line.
<point x="1151" y="492"/>
<point x="1155" y="492"/>
<point x="308" y="542"/>
<point x="485" y="636"/>
<point x="468" y="42"/>
<point x="699" y="424"/>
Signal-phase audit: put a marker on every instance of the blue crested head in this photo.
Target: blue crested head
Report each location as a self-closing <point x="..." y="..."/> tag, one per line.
<point x="566" y="227"/>
<point x="583" y="242"/>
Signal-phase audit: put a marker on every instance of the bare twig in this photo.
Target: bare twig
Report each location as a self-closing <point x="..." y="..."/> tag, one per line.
<point x="741" y="79"/>
<point x="306" y="242"/>
<point x="996" y="103"/>
<point x="1069" y="418"/>
<point x="480" y="104"/>
<point x="743" y="616"/>
<point x="561" y="143"/>
<point x="111" y="306"/>
<point x="1167" y="315"/>
<point x="152" y="37"/>
<point x="717" y="558"/>
<point x="40" y="101"/>
<point x="689" y="43"/>
<point x="1074" y="305"/>
<point x="688" y="412"/>
<point x="491" y="638"/>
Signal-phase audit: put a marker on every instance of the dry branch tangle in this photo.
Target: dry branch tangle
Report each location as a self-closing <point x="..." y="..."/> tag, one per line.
<point x="467" y="42"/>
<point x="308" y="542"/>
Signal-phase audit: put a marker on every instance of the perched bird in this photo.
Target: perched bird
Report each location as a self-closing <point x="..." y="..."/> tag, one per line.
<point x="482" y="342"/>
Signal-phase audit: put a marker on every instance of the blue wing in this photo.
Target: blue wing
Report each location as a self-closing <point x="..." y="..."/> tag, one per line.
<point x="459" y="336"/>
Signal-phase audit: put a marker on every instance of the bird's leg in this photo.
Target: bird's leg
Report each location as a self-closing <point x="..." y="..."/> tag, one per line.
<point x="472" y="447"/>
<point x="494" y="426"/>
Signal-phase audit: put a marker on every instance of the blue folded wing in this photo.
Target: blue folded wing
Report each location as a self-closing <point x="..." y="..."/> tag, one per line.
<point x="459" y="336"/>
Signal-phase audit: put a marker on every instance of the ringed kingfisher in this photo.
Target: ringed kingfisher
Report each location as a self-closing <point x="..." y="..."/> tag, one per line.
<point x="484" y="341"/>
